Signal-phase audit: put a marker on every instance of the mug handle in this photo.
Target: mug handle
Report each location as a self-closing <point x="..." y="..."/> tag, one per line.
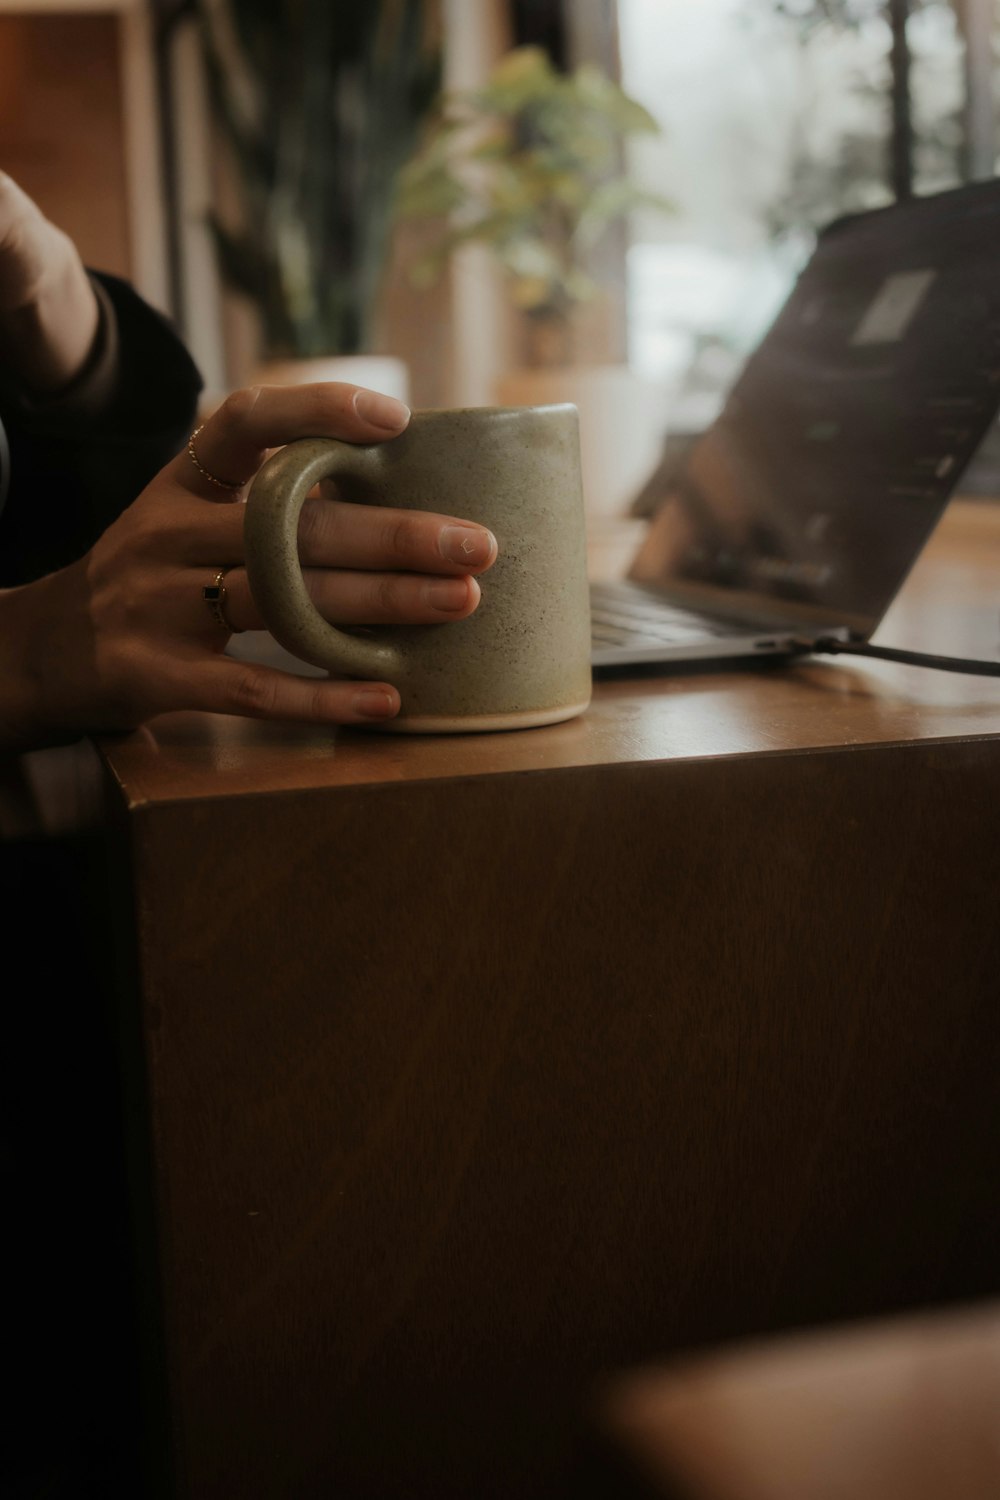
<point x="270" y="533"/>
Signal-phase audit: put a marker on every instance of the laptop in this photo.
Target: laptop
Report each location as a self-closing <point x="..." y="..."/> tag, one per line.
<point x="802" y="508"/>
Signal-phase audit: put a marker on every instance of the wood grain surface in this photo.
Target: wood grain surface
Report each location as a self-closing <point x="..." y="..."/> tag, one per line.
<point x="466" y="1091"/>
<point x="475" y="1069"/>
<point x="951" y="603"/>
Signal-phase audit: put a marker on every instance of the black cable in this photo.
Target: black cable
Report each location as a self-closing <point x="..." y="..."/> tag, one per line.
<point x="830" y="646"/>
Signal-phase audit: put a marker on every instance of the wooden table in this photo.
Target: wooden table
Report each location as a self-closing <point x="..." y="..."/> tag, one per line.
<point x="477" y="1067"/>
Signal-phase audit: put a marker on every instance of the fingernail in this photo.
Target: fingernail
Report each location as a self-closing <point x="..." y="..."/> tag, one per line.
<point x="467" y="544"/>
<point x="375" y="703"/>
<point x="381" y="411"/>
<point x="448" y="594"/>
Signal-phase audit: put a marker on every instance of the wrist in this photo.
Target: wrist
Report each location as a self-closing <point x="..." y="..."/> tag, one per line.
<point x="25" y="722"/>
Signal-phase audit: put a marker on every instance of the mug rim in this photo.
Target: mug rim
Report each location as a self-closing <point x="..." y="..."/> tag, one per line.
<point x="493" y="411"/>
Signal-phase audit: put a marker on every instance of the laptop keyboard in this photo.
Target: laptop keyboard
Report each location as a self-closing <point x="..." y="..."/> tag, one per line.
<point x="624" y="615"/>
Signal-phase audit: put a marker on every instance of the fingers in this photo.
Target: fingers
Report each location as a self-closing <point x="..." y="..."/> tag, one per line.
<point x="176" y="527"/>
<point x="335" y="533"/>
<point x="391" y="598"/>
<point x="233" y="442"/>
<point x="223" y="685"/>
<point x="231" y="445"/>
<point x="363" y="565"/>
<point x="361" y="598"/>
<point x="332" y="533"/>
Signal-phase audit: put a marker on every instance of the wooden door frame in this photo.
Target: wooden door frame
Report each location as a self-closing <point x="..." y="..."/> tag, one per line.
<point x="145" y="205"/>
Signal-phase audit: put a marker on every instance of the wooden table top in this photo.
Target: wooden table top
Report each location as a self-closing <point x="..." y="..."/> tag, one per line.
<point x="533" y="1144"/>
<point x="950" y="604"/>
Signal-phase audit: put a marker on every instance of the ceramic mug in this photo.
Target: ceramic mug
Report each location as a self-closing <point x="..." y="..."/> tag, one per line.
<point x="522" y="659"/>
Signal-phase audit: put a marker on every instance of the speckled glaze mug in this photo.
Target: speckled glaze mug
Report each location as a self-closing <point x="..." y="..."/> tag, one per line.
<point x="523" y="658"/>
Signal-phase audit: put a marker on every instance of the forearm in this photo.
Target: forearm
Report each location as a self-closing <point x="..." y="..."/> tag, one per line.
<point x="49" y="314"/>
<point x="46" y="340"/>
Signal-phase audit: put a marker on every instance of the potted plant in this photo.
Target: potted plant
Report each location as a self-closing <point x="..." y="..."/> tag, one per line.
<point x="319" y="106"/>
<point x="532" y="166"/>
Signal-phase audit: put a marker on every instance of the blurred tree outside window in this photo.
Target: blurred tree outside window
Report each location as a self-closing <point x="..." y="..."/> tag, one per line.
<point x="777" y="116"/>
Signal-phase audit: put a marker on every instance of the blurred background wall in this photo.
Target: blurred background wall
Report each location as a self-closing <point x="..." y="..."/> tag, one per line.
<point x="773" y="116"/>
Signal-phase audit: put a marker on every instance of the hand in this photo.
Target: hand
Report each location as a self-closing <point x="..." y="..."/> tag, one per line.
<point x="126" y="633"/>
<point x="48" y="309"/>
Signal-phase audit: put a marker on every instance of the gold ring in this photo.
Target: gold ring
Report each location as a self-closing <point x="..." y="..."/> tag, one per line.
<point x="214" y="595"/>
<point x="224" y="484"/>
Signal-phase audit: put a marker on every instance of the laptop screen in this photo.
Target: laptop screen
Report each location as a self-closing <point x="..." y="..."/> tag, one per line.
<point x="851" y="423"/>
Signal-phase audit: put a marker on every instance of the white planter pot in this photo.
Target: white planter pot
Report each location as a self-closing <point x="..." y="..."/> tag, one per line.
<point x="379" y="372"/>
<point x="623" y="421"/>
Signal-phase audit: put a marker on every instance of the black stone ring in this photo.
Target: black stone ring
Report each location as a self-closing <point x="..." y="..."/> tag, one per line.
<point x="214" y="595"/>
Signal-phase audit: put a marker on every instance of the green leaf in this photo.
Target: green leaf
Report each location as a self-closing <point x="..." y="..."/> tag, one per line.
<point x="531" y="166"/>
<point x="612" y="201"/>
<point x="337" y="99"/>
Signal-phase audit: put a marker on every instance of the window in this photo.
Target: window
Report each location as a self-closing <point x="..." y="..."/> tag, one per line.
<point x="777" y="117"/>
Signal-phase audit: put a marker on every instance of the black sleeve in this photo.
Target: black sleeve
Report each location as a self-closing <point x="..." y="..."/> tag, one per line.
<point x="74" y="465"/>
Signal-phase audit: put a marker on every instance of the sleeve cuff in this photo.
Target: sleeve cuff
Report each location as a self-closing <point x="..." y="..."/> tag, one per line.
<point x="91" y="391"/>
